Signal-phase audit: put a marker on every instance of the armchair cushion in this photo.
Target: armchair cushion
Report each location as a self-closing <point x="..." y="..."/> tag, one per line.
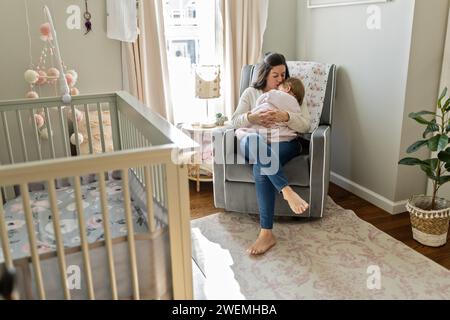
<point x="297" y="170"/>
<point x="314" y="76"/>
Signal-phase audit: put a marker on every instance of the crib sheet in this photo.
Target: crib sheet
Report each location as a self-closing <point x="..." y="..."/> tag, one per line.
<point x="40" y="205"/>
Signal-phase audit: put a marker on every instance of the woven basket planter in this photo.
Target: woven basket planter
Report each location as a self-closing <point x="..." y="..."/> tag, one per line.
<point x="429" y="227"/>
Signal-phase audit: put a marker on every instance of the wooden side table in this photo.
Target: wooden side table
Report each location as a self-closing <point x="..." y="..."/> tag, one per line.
<point x="201" y="167"/>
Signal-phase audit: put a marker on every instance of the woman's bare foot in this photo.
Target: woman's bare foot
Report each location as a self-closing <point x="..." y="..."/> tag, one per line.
<point x="297" y="204"/>
<point x="264" y="242"/>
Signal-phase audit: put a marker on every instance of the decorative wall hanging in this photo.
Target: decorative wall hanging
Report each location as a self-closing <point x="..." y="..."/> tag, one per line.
<point x="87" y="17"/>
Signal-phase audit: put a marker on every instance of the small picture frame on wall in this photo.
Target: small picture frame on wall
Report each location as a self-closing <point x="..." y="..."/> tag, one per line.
<point x="312" y="4"/>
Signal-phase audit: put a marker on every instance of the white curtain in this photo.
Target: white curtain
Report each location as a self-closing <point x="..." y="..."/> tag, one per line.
<point x="243" y="23"/>
<point x="146" y="72"/>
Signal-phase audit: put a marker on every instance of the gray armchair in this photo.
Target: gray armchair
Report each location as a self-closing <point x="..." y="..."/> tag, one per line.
<point x="308" y="174"/>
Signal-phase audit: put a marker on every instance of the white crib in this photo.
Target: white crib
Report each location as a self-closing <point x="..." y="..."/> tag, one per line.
<point x="138" y="147"/>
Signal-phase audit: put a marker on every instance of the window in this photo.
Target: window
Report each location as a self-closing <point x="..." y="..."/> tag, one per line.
<point x="191" y="40"/>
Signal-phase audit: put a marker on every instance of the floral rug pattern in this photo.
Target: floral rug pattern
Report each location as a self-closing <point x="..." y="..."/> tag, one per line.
<point x="337" y="257"/>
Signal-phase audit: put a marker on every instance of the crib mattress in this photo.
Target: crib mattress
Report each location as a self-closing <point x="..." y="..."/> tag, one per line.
<point x="43" y="225"/>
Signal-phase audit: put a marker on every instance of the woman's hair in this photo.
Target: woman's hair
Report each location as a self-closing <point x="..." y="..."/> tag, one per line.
<point x="270" y="60"/>
<point x="297" y="88"/>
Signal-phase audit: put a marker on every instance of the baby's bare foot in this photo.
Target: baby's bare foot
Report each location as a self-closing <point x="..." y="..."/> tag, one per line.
<point x="264" y="242"/>
<point x="297" y="204"/>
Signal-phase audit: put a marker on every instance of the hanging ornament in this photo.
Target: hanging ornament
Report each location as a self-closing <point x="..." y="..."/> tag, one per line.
<point x="74" y="91"/>
<point x="32" y="95"/>
<point x="31" y="76"/>
<point x="73" y="139"/>
<point x="46" y="33"/>
<point x="39" y="119"/>
<point x="87" y="17"/>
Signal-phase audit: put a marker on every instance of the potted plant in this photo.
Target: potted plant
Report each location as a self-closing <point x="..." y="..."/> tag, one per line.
<point x="430" y="214"/>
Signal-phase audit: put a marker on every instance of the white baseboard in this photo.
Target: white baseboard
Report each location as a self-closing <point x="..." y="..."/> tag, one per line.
<point x="368" y="195"/>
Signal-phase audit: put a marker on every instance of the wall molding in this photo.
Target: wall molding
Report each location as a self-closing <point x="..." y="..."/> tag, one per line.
<point x="369" y="195"/>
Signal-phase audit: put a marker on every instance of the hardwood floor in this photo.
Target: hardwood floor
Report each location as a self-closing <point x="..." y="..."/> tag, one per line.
<point x="397" y="226"/>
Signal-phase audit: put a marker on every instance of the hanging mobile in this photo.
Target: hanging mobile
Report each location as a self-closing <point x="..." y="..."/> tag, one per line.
<point x="87" y="17"/>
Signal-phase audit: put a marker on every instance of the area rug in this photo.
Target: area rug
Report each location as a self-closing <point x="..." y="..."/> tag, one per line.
<point x="337" y="257"/>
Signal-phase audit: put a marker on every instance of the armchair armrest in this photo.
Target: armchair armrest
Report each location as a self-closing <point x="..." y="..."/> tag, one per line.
<point x="223" y="140"/>
<point x="319" y="169"/>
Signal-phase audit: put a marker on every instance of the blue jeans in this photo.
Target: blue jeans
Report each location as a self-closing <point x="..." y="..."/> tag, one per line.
<point x="268" y="161"/>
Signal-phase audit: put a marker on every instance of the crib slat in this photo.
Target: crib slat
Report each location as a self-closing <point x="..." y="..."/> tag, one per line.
<point x="75" y="127"/>
<point x="4" y="238"/>
<point x="100" y="123"/>
<point x="130" y="231"/>
<point x="158" y="183"/>
<point x="120" y="129"/>
<point x="154" y="182"/>
<point x="8" y="138"/>
<point x="84" y="242"/>
<point x="127" y="133"/>
<point x="32" y="240"/>
<point x="149" y="195"/>
<point x="180" y="245"/>
<point x="164" y="185"/>
<point x="88" y="128"/>
<point x="107" y="235"/>
<point x="58" y="237"/>
<point x="22" y="135"/>
<point x="124" y="133"/>
<point x="50" y="133"/>
<point x="5" y="246"/>
<point x="64" y="132"/>
<point x="36" y="134"/>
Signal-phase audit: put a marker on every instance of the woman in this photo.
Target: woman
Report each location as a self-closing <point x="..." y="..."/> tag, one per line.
<point x="272" y="73"/>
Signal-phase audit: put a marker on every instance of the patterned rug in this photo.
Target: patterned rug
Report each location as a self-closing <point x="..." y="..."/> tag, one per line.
<point x="337" y="257"/>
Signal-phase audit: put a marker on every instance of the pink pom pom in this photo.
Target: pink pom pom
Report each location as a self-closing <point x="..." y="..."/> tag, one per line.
<point x="53" y="73"/>
<point x="45" y="29"/>
<point x="78" y="115"/>
<point x="70" y="80"/>
<point x="39" y="120"/>
<point x="74" y="91"/>
<point x="42" y="78"/>
<point x="32" y="95"/>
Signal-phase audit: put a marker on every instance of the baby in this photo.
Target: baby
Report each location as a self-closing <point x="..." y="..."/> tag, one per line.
<point x="288" y="97"/>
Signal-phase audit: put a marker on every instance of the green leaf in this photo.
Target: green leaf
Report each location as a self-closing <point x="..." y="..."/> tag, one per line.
<point x="433" y="143"/>
<point x="442" y="96"/>
<point x="411" y="162"/>
<point x="432" y="127"/>
<point x="447" y="129"/>
<point x="444" y="156"/>
<point x="443" y="180"/>
<point x="447" y="166"/>
<point x="432" y="163"/>
<point x="443" y="142"/>
<point x="419" y="119"/>
<point x="427" y="169"/>
<point x="421" y="113"/>
<point x="416" y="146"/>
<point x="446" y="106"/>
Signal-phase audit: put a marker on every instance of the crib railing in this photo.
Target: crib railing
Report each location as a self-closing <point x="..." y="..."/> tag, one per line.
<point x="143" y="145"/>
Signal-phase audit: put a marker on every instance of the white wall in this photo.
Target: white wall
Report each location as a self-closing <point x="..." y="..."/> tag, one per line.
<point x="425" y="65"/>
<point x="281" y="31"/>
<point x="96" y="58"/>
<point x="378" y="84"/>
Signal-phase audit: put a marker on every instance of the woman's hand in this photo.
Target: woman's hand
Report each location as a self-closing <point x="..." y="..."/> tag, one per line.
<point x="268" y="118"/>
